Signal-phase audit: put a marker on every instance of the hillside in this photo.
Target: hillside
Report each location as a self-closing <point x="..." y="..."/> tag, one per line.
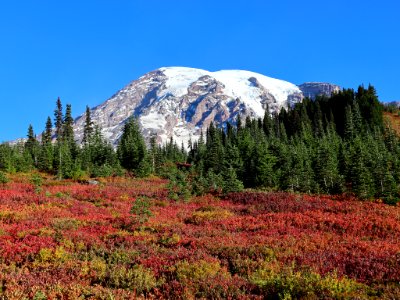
<point x="394" y="121"/>
<point x="125" y="238"/>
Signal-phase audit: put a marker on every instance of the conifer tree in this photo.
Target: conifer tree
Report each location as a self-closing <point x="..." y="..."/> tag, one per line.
<point x="47" y="134"/>
<point x="46" y="150"/>
<point x="349" y="124"/>
<point x="58" y="119"/>
<point x="98" y="156"/>
<point x="88" y="127"/>
<point x="131" y="149"/>
<point x="231" y="182"/>
<point x="360" y="175"/>
<point x="32" y="145"/>
<point x="68" y="130"/>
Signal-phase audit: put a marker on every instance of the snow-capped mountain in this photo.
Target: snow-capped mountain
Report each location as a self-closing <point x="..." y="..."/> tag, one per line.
<point x="180" y="102"/>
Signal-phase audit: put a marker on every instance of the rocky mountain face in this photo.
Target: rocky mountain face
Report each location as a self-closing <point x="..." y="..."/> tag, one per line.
<point x="181" y="102"/>
<point x="314" y="89"/>
<point x="393" y="103"/>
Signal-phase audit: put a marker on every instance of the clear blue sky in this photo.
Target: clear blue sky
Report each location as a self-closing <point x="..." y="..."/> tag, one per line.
<point x="84" y="51"/>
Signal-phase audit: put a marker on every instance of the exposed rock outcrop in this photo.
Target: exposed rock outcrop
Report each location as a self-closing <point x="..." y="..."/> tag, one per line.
<point x="313" y="89"/>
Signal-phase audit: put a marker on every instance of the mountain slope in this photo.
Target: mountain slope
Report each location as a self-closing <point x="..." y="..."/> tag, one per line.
<point x="180" y="102"/>
<point x="314" y="89"/>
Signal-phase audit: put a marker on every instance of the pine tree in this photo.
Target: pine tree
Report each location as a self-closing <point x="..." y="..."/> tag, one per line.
<point x="58" y="119"/>
<point x="32" y="145"/>
<point x="326" y="167"/>
<point x="267" y="123"/>
<point x="357" y="119"/>
<point x="264" y="166"/>
<point x="360" y="175"/>
<point x="46" y="150"/>
<point x="47" y="135"/>
<point x="131" y="149"/>
<point x="231" y="183"/>
<point x="68" y="132"/>
<point x="349" y="131"/>
<point x="98" y="156"/>
<point x="88" y="127"/>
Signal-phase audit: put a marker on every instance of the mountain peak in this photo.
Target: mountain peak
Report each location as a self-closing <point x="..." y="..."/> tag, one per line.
<point x="180" y="102"/>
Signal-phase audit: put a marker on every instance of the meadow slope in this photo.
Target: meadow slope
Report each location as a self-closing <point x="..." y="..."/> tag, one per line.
<point x="125" y="239"/>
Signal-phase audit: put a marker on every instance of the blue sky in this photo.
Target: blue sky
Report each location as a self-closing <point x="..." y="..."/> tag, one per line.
<point x="84" y="51"/>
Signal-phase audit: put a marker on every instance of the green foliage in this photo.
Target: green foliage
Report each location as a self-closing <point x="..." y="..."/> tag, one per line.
<point x="137" y="278"/>
<point x="3" y="178"/>
<point x="37" y="182"/>
<point x="141" y="209"/>
<point x="330" y="145"/>
<point x="131" y="151"/>
<point x="98" y="156"/>
<point x="39" y="295"/>
<point x="197" y="271"/>
<point x="334" y="145"/>
<point x="231" y="183"/>
<point x="289" y="283"/>
<point x="179" y="186"/>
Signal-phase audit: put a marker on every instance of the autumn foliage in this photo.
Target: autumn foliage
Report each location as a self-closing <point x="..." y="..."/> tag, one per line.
<point x="70" y="240"/>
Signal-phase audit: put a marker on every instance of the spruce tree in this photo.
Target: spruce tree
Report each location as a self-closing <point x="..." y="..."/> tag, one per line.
<point x="58" y="119"/>
<point x="264" y="167"/>
<point x="88" y="127"/>
<point x="131" y="149"/>
<point x="46" y="150"/>
<point x="47" y="134"/>
<point x="231" y="182"/>
<point x="32" y="145"/>
<point x="68" y="132"/>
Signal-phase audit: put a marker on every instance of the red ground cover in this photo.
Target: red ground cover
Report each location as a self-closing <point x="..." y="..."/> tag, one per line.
<point x="70" y="240"/>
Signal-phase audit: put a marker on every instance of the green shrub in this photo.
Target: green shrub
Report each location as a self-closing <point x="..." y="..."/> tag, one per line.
<point x="3" y="178"/>
<point x="65" y="224"/>
<point x="37" y="182"/>
<point x="138" y="278"/>
<point x="141" y="209"/>
<point x="102" y="171"/>
<point x="288" y="283"/>
<point x="206" y="280"/>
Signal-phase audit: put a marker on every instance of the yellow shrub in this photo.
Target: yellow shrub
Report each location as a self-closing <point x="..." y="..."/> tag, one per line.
<point x="197" y="271"/>
<point x="169" y="240"/>
<point x="98" y="266"/>
<point x="208" y="214"/>
<point x="60" y="255"/>
<point x="47" y="255"/>
<point x="46" y="231"/>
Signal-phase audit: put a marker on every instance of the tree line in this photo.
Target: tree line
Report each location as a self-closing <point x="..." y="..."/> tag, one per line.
<point x="333" y="145"/>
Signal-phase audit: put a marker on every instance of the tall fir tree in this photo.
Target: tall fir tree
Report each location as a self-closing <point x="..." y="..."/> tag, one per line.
<point x="68" y="132"/>
<point x="32" y="145"/>
<point x="46" y="150"/>
<point x="58" y="119"/>
<point x="131" y="150"/>
<point x="88" y="127"/>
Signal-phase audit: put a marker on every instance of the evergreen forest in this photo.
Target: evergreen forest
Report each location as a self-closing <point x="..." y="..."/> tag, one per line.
<point x="330" y="145"/>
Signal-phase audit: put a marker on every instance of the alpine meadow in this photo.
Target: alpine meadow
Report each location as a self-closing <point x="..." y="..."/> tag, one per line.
<point x="199" y="150"/>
